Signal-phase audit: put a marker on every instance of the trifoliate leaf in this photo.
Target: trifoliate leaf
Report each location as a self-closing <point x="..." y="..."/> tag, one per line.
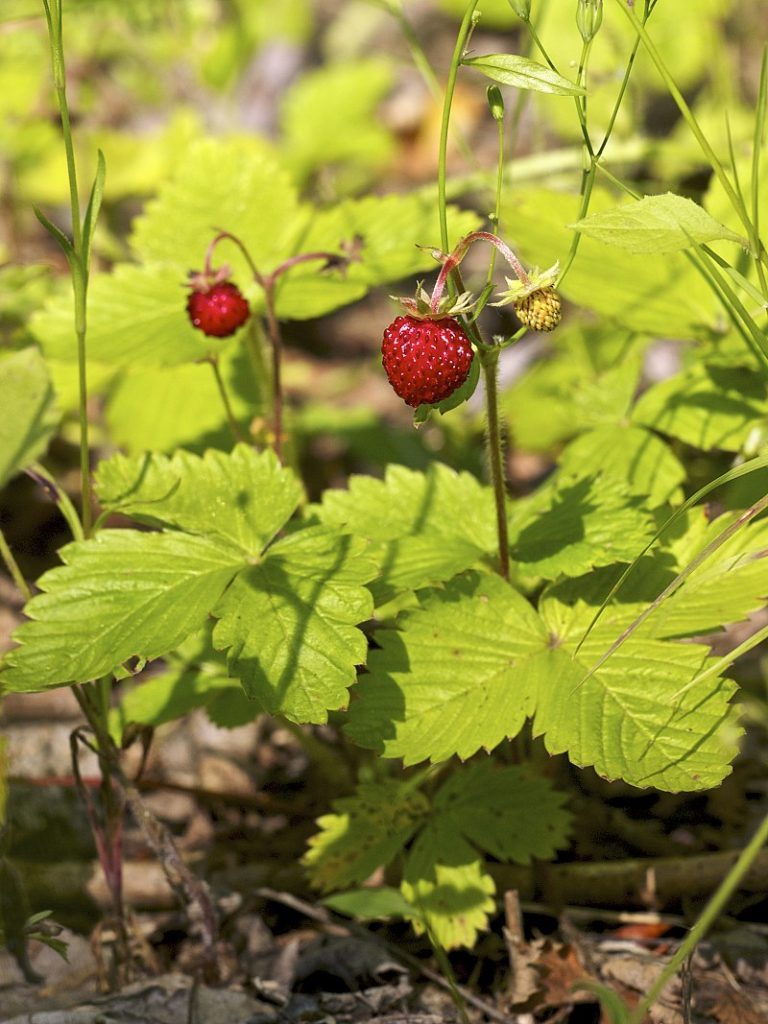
<point x="289" y="623"/>
<point x="655" y="224"/>
<point x="243" y="498"/>
<point x="426" y="527"/>
<point x="705" y="406"/>
<point x="451" y="895"/>
<point x="29" y="416"/>
<point x="632" y="719"/>
<point x="507" y="812"/>
<point x="523" y="73"/>
<point x="639" y="461"/>
<point x="576" y="524"/>
<point x="365" y="832"/>
<point x="121" y="595"/>
<point x="458" y="674"/>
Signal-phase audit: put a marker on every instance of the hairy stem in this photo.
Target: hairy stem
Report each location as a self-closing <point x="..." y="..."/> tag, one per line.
<point x="276" y="342"/>
<point x="489" y="359"/>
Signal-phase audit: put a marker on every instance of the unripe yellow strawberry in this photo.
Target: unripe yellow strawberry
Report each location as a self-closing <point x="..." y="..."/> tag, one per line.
<point x="541" y="310"/>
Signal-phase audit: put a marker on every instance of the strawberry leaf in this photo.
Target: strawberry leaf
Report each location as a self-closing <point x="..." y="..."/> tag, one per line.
<point x="425" y="527"/>
<point x="120" y="596"/>
<point x="632" y="719"/>
<point x="365" y="831"/>
<point x="242" y="498"/>
<point x="574" y="524"/>
<point x="458" y="674"/>
<point x="307" y="595"/>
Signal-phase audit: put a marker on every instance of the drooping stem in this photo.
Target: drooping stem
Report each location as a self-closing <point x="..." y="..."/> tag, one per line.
<point x="710" y="914"/>
<point x="452" y="262"/>
<point x="13" y="567"/>
<point x="234" y="426"/>
<point x="221" y="236"/>
<point x="489" y="359"/>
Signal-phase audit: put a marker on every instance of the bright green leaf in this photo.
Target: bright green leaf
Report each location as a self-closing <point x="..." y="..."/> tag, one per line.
<point x="289" y="623"/>
<point x="458" y="674"/>
<point x="655" y="224"/>
<point x="576" y="524"/>
<point x="122" y="595"/>
<point x="427" y="527"/>
<point x="29" y="416"/>
<point x="636" y="458"/>
<point x="445" y="883"/>
<point x="523" y="73"/>
<point x="234" y="185"/>
<point x="663" y="297"/>
<point x="243" y="498"/>
<point x="705" y="406"/>
<point x="629" y="719"/>
<point x="136" y="315"/>
<point x="507" y="812"/>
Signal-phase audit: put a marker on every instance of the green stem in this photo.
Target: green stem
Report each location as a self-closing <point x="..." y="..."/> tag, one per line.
<point x="497" y="205"/>
<point x="706" y="920"/>
<point x="489" y="359"/>
<point x="13" y="568"/>
<point x="234" y="426"/>
<point x="688" y="116"/>
<point x="465" y="30"/>
<point x="79" y="266"/>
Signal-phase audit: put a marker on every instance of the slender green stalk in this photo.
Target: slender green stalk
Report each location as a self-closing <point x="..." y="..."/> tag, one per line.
<point x="688" y="116"/>
<point x="719" y="665"/>
<point x="489" y="360"/>
<point x="465" y="30"/>
<point x="79" y="264"/>
<point x="757" y="145"/>
<point x="13" y="567"/>
<point x="588" y="174"/>
<point x="234" y="426"/>
<point x="497" y="205"/>
<point x="709" y="915"/>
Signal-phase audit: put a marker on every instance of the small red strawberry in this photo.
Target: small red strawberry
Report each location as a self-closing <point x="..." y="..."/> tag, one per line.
<point x="216" y="307"/>
<point x="426" y="358"/>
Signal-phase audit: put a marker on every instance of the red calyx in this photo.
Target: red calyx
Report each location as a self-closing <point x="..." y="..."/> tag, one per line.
<point x="426" y="360"/>
<point x="217" y="309"/>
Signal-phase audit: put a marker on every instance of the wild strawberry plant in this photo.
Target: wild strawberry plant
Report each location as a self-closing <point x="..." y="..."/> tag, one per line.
<point x="441" y="615"/>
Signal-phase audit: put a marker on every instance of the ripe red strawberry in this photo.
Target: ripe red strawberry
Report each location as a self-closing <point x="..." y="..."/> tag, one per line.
<point x="426" y="360"/>
<point x="217" y="309"/>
